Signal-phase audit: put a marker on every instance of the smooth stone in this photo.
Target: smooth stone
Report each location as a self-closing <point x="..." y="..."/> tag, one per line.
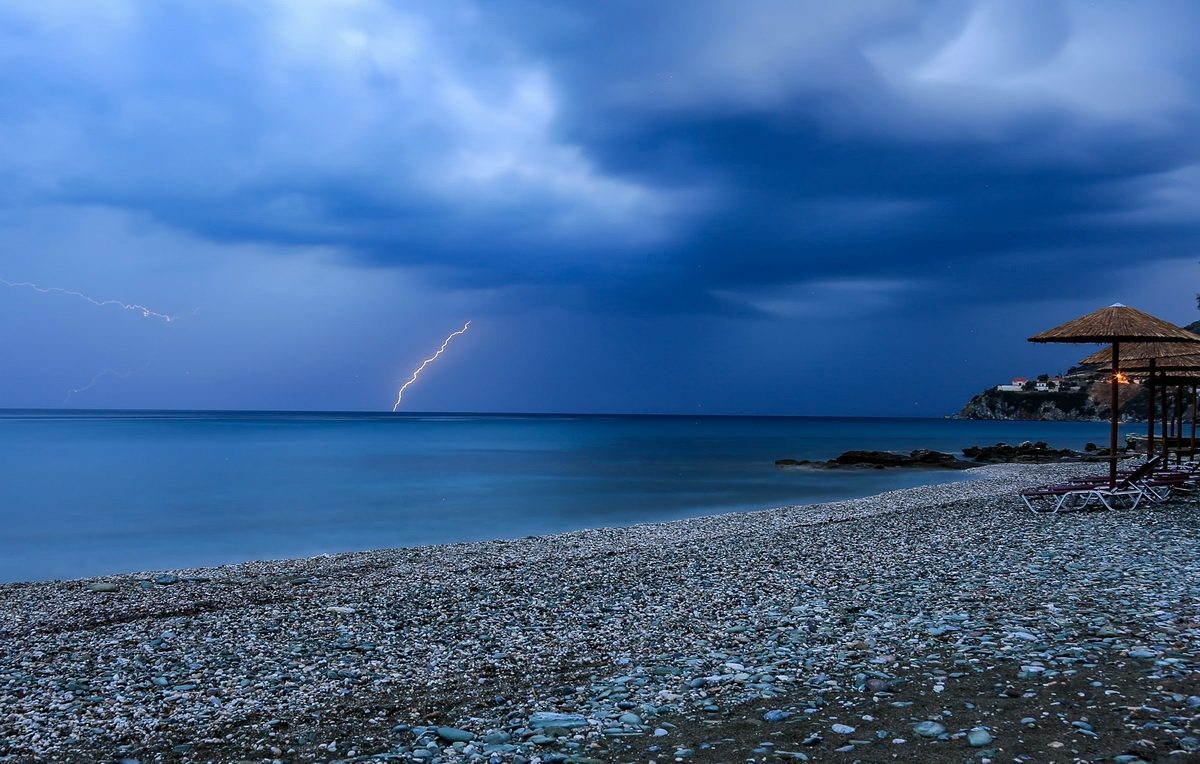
<point x="928" y="729"/>
<point x="629" y="719"/>
<point x="161" y="681"/>
<point x="843" y="729"/>
<point x="455" y="735"/>
<point x="775" y="715"/>
<point x="555" y="719"/>
<point x="103" y="586"/>
<point x="979" y="737"/>
<point x="166" y="579"/>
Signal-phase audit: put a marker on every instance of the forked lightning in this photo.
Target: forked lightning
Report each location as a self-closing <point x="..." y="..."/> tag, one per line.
<point x="426" y="362"/>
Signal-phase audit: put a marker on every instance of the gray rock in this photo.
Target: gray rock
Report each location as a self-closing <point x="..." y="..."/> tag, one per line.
<point x="554" y="719"/>
<point x="979" y="737"/>
<point x="928" y="729"/>
<point x="455" y="735"/>
<point x="103" y="586"/>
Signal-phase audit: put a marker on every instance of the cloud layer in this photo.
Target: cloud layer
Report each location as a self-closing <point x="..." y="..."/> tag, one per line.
<point x="740" y="162"/>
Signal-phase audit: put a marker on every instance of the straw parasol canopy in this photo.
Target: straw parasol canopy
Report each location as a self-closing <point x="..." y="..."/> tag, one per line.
<point x="1172" y="363"/>
<point x="1116" y="324"/>
<point x="1142" y="351"/>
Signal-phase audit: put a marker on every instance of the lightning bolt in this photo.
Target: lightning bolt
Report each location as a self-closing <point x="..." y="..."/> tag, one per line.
<point x="426" y="362"/>
<point x="102" y="375"/>
<point x="146" y="312"/>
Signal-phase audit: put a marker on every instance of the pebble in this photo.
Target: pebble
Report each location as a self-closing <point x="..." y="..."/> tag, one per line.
<point x="928" y="729"/>
<point x="455" y="735"/>
<point x="562" y="645"/>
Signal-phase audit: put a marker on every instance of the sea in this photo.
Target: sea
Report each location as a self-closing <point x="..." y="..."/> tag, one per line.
<point x="89" y="493"/>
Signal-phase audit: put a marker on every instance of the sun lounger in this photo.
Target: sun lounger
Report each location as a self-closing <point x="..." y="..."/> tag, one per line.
<point x="1075" y="496"/>
<point x="1127" y="493"/>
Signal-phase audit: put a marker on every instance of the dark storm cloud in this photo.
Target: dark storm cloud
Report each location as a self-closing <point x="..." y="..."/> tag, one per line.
<point x="707" y="157"/>
<point x="967" y="188"/>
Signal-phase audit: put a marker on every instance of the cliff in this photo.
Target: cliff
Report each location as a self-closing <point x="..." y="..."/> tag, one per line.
<point x="1089" y="404"/>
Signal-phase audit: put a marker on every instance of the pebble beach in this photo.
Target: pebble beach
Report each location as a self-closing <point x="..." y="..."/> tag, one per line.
<point x="940" y="623"/>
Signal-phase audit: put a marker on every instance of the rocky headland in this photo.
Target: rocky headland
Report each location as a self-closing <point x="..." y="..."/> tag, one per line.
<point x="1090" y="404"/>
<point x="937" y="624"/>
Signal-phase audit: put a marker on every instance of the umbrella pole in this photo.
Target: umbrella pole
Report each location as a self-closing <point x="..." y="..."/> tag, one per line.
<point x="1112" y="430"/>
<point x="1150" y="418"/>
<point x="1178" y="424"/>
<point x="1166" y="403"/>
<point x="1195" y="396"/>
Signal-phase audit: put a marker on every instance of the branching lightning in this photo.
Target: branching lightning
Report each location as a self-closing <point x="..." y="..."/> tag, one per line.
<point x="106" y="373"/>
<point x="146" y="312"/>
<point x="426" y="362"/>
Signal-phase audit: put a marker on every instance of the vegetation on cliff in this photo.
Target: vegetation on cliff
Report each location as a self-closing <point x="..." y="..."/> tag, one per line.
<point x="1090" y="403"/>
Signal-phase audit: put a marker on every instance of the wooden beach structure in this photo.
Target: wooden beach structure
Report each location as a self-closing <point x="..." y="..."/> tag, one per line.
<point x="1162" y="365"/>
<point x="1115" y="325"/>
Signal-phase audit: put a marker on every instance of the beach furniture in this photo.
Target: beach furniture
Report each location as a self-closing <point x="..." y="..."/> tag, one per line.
<point x="1055" y="498"/>
<point x="1126" y="493"/>
<point x="1117" y="324"/>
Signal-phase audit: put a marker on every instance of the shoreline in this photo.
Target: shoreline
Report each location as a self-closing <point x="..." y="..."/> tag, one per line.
<point x="823" y="512"/>
<point x="373" y="651"/>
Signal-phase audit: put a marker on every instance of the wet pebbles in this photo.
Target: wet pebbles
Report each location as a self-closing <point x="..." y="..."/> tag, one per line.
<point x="641" y="643"/>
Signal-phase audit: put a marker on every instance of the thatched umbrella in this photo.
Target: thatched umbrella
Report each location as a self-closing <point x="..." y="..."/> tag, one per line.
<point x="1155" y="368"/>
<point x="1115" y="324"/>
<point x="1142" y="351"/>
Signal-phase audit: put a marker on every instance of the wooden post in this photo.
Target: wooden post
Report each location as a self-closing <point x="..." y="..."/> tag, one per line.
<point x="1150" y="417"/>
<point x="1195" y="398"/>
<point x="1112" y="431"/>
<point x="1166" y="404"/>
<point x="1179" y="422"/>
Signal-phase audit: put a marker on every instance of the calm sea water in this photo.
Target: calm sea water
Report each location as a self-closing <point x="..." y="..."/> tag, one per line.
<point x="89" y="493"/>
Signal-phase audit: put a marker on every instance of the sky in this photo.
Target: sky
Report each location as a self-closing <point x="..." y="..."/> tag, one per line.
<point x="794" y="208"/>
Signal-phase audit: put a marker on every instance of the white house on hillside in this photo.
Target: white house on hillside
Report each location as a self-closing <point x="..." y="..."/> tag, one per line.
<point x="1018" y="384"/>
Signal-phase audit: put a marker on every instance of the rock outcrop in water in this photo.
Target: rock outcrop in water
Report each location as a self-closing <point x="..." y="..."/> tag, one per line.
<point x="1024" y="453"/>
<point x="920" y="459"/>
